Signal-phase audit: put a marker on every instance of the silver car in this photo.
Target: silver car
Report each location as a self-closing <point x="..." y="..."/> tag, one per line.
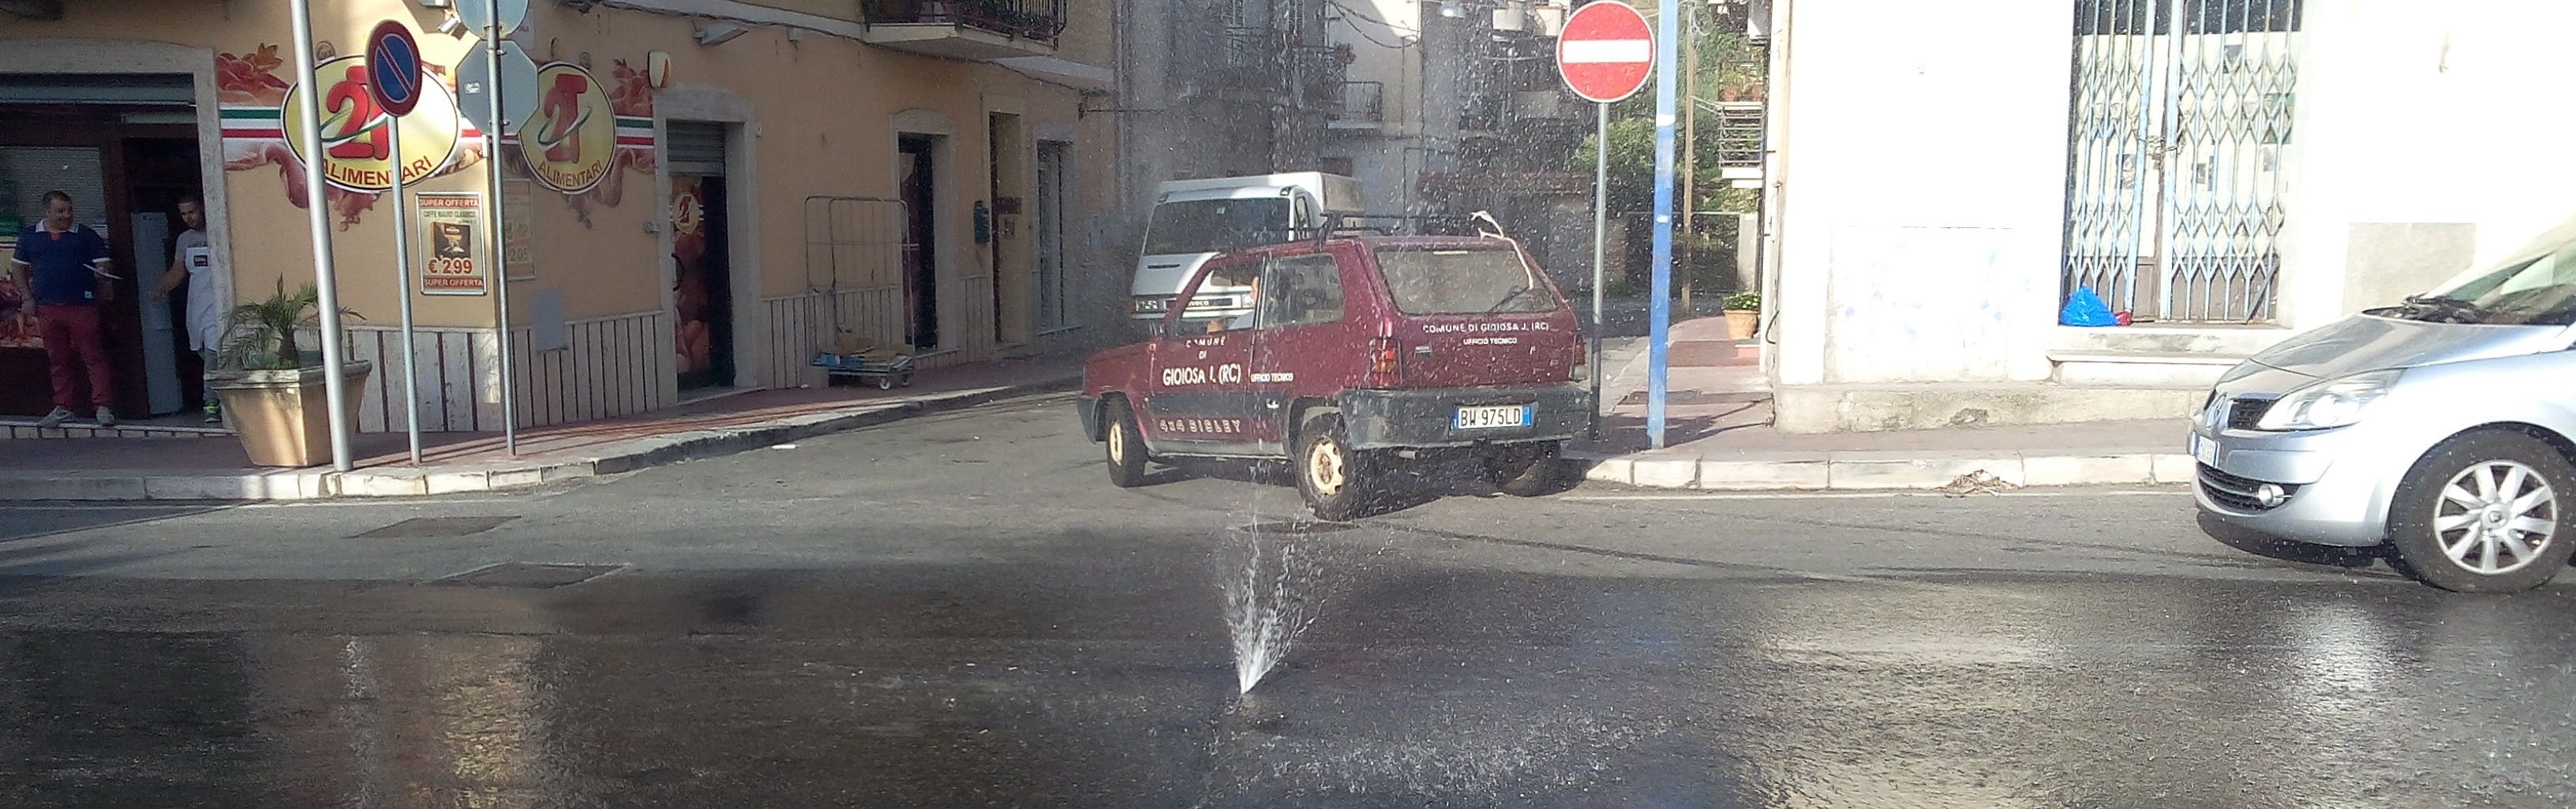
<point x="2440" y="427"/>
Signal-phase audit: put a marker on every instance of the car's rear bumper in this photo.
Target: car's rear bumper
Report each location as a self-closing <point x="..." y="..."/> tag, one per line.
<point x="1393" y="419"/>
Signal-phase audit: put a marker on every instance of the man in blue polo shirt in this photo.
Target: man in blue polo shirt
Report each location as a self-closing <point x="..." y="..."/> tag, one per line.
<point x="67" y="261"/>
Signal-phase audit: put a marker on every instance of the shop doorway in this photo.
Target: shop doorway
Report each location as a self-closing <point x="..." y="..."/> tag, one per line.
<point x="701" y="248"/>
<point x="125" y="169"/>
<point x="1050" y="225"/>
<point x="917" y="170"/>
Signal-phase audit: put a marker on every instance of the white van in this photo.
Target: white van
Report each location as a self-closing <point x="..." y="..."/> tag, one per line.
<point x="1194" y="220"/>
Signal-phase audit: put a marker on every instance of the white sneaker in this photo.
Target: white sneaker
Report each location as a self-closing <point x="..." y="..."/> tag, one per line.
<point x="106" y="417"/>
<point x="54" y="419"/>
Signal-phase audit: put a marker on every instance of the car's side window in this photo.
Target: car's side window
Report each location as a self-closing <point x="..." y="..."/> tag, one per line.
<point x="1302" y="291"/>
<point x="1226" y="291"/>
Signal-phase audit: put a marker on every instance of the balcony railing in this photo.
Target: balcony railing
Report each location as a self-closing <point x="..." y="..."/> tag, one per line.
<point x="1038" y="20"/>
<point x="1363" y="106"/>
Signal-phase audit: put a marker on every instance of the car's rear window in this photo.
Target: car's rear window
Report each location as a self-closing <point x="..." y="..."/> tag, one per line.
<point x="1462" y="281"/>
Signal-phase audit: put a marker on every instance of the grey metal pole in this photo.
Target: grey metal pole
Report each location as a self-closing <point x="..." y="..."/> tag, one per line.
<point x="317" y="209"/>
<point x="402" y="272"/>
<point x="1600" y="234"/>
<point x="500" y="253"/>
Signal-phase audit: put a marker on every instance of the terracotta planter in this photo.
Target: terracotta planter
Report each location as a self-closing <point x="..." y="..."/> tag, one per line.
<point x="1741" y="322"/>
<point x="284" y="416"/>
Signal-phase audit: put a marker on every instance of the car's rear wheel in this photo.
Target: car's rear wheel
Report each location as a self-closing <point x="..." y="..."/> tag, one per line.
<point x="1525" y="470"/>
<point x="1126" y="446"/>
<point x="2486" y="512"/>
<point x="1337" y="481"/>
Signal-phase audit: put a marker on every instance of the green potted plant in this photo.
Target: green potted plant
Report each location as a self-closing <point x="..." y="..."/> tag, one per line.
<point x="272" y="389"/>
<point x="1743" y="312"/>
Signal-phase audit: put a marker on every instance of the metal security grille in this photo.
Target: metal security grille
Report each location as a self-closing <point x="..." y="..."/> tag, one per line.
<point x="695" y="147"/>
<point x="2181" y="118"/>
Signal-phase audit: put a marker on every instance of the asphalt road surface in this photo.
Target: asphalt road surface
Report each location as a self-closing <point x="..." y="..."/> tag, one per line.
<point x="960" y="611"/>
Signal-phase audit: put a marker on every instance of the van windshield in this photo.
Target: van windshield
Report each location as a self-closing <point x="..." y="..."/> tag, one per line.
<point x="1216" y="225"/>
<point x="1462" y="282"/>
<point x="2534" y="289"/>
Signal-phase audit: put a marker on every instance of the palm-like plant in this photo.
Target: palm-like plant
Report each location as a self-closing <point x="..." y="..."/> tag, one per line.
<point x="264" y="332"/>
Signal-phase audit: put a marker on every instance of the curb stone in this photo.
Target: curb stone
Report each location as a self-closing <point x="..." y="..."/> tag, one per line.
<point x="640" y="453"/>
<point x="1884" y="470"/>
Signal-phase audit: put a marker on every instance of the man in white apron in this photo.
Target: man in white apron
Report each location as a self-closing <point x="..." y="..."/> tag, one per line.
<point x="193" y="264"/>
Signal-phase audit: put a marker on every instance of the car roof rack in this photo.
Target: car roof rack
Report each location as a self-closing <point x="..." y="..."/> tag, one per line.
<point x="1479" y="224"/>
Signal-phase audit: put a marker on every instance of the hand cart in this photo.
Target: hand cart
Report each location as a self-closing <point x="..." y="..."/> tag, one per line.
<point x="885" y="370"/>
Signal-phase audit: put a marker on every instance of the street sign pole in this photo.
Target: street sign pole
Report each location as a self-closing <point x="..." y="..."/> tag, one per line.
<point x="500" y="252"/>
<point x="394" y="78"/>
<point x="402" y="272"/>
<point x="1604" y="51"/>
<point x="1659" y="293"/>
<point x="317" y="209"/>
<point x="1600" y="236"/>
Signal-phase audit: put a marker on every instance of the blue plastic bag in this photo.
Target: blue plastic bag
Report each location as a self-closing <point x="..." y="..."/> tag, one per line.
<point x="2086" y="309"/>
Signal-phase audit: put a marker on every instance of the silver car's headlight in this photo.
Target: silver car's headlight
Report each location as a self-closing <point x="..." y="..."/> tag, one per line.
<point x="2332" y="403"/>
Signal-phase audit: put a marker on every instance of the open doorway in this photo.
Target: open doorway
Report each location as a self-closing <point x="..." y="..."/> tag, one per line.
<point x="917" y="174"/>
<point x="701" y="251"/>
<point x="1050" y="227"/>
<point x="160" y="173"/>
<point x="125" y="172"/>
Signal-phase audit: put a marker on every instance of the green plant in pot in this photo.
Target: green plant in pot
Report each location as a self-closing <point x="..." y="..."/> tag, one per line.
<point x="272" y="390"/>
<point x="1743" y="312"/>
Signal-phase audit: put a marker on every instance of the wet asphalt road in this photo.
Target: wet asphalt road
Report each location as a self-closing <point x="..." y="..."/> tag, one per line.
<point x="961" y="612"/>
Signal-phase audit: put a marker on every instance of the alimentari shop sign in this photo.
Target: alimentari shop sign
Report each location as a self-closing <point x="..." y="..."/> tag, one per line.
<point x="570" y="142"/>
<point x="357" y="136"/>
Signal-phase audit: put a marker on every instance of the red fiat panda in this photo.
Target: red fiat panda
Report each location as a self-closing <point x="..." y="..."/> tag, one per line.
<point x="1359" y="351"/>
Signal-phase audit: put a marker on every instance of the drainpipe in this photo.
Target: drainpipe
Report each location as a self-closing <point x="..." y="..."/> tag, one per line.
<point x="1775" y="153"/>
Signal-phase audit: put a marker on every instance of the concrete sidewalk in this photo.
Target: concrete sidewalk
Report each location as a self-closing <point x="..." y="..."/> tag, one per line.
<point x="1719" y="437"/>
<point x="215" y="468"/>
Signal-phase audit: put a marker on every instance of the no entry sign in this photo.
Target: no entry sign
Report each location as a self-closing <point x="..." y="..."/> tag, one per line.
<point x="1606" y="51"/>
<point x="393" y="68"/>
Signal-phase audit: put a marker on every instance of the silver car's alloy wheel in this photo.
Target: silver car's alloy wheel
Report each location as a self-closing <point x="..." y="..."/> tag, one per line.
<point x="2496" y="517"/>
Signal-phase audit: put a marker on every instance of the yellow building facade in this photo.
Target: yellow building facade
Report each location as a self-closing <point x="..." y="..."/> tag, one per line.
<point x="696" y="195"/>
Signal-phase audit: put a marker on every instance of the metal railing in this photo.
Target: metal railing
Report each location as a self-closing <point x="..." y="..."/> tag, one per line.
<point x="1040" y="20"/>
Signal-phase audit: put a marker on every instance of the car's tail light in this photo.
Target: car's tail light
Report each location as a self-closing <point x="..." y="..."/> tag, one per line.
<point x="1386" y="363"/>
<point x="1574" y="370"/>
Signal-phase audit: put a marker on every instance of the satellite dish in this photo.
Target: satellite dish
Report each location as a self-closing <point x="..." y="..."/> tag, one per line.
<point x="518" y="87"/>
<point x="477" y="14"/>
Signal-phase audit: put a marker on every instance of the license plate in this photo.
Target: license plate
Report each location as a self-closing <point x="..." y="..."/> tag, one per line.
<point x="1490" y="416"/>
<point x="2204" y="450"/>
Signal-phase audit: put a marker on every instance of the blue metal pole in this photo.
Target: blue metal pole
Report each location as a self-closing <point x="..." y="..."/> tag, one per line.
<point x="1659" y="296"/>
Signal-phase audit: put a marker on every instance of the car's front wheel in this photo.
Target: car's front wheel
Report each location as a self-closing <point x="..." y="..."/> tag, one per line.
<point x="2486" y="512"/>
<point x="1126" y="446"/>
<point x="1337" y="481"/>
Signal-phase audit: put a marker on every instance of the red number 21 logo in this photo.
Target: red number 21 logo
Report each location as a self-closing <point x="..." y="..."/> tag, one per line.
<point x="353" y="126"/>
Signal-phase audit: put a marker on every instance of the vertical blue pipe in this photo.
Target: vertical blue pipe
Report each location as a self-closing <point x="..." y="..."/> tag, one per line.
<point x="1659" y="300"/>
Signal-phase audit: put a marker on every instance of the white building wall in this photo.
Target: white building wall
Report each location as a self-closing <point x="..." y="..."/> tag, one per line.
<point x="1924" y="164"/>
<point x="1922" y="158"/>
<point x="2422" y="114"/>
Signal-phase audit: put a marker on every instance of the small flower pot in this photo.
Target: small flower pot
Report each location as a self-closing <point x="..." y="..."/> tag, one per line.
<point x="283" y="417"/>
<point x="1741" y="322"/>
